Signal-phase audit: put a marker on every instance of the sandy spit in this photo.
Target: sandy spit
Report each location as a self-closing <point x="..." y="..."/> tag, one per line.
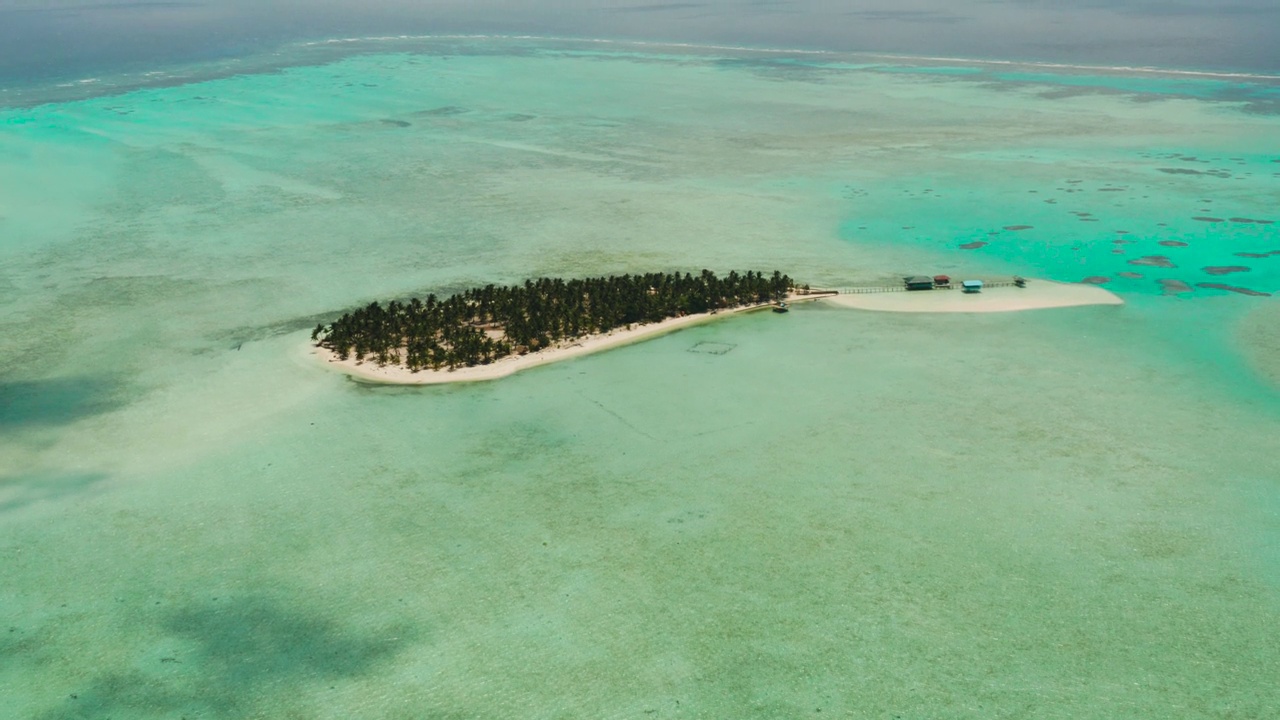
<point x="1038" y="294"/>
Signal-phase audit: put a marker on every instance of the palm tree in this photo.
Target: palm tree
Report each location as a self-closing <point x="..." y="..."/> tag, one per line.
<point x="451" y="333"/>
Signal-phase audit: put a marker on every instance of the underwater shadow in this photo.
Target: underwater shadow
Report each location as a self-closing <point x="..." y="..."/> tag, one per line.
<point x="230" y="658"/>
<point x="234" y="337"/>
<point x="59" y="401"/>
<point x="25" y="490"/>
<point x="249" y="641"/>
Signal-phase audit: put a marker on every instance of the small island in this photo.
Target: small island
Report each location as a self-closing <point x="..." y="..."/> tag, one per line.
<point x="492" y="331"/>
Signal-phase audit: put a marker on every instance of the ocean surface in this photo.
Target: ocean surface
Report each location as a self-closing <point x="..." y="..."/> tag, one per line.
<point x="1068" y="513"/>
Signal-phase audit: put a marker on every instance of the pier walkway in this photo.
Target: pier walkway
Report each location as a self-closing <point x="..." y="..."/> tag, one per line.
<point x="860" y="289"/>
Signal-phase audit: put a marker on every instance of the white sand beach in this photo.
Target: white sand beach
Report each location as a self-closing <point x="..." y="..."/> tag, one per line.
<point x="1037" y="295"/>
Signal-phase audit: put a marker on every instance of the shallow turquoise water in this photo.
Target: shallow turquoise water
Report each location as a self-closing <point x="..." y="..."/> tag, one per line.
<point x="1067" y="513"/>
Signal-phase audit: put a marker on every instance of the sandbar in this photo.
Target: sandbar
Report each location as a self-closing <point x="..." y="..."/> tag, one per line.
<point x="370" y="371"/>
<point x="1037" y="295"/>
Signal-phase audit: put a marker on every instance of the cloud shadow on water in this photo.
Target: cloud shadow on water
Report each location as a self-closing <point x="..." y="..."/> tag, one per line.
<point x="17" y="492"/>
<point x="231" y="659"/>
<point x="59" y="401"/>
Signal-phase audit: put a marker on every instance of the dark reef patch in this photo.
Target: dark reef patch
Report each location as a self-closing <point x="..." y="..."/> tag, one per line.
<point x="1096" y="280"/>
<point x="1159" y="261"/>
<point x="1234" y="289"/>
<point x="59" y="401"/>
<point x="1172" y="243"/>
<point x="1174" y="287"/>
<point x="1257" y="255"/>
<point x="1224" y="269"/>
<point x="445" y="111"/>
<point x="1187" y="171"/>
<point x="1251" y="221"/>
<point x="1205" y="218"/>
<point x="249" y="333"/>
<point x="1129" y="275"/>
<point x="397" y="123"/>
<point x="974" y="245"/>
<point x="1016" y="228"/>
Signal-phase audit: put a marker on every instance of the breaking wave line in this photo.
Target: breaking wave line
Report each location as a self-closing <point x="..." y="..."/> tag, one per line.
<point x="1042" y="65"/>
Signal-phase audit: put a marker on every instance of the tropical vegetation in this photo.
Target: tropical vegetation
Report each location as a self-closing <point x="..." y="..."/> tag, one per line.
<point x="484" y="324"/>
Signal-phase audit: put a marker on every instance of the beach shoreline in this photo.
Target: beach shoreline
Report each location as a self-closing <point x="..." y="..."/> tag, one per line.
<point x="1039" y="294"/>
<point x="369" y="371"/>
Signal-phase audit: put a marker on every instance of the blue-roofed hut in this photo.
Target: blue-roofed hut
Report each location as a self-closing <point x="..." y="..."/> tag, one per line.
<point x="972" y="286"/>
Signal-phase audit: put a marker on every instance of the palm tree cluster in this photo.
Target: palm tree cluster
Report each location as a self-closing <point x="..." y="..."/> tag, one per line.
<point x="481" y="325"/>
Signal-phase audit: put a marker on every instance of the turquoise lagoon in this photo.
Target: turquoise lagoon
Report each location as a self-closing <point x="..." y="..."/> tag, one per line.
<point x="1067" y="513"/>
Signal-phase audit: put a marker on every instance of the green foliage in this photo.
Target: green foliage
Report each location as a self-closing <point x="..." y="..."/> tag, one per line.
<point x="481" y="325"/>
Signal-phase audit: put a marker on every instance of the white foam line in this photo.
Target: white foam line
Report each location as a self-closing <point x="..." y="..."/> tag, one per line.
<point x="1130" y="69"/>
<point x="552" y="38"/>
<point x="1141" y="69"/>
